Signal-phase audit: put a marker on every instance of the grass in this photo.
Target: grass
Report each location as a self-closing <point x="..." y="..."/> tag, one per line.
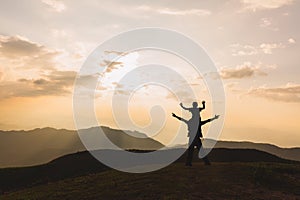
<point x="278" y="176"/>
<point x="219" y="181"/>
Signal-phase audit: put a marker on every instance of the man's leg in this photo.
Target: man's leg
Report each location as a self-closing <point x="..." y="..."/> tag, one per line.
<point x="190" y="152"/>
<point x="199" y="145"/>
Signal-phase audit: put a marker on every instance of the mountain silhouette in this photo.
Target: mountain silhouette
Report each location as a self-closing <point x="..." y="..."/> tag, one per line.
<point x="39" y="146"/>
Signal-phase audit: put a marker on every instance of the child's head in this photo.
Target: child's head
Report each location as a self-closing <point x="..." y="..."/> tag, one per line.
<point x="195" y="104"/>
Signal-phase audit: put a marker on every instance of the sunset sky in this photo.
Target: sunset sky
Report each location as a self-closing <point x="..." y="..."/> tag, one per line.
<point x="254" y="44"/>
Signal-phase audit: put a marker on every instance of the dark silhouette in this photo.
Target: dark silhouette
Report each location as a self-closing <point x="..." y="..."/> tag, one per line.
<point x="83" y="163"/>
<point x="195" y="110"/>
<point x="83" y="166"/>
<point x="196" y="117"/>
<point x="194" y="140"/>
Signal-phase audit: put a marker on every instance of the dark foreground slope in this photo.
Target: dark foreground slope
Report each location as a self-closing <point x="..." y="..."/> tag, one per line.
<point x="83" y="163"/>
<point x="218" y="181"/>
<point x="233" y="174"/>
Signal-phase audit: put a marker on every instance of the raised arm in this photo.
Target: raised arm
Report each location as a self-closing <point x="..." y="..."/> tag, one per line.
<point x="185" y="108"/>
<point x="209" y="120"/>
<point x="179" y="118"/>
<point x="203" y="106"/>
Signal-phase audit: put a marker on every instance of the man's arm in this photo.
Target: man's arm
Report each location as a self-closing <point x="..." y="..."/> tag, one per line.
<point x="209" y="120"/>
<point x="203" y="106"/>
<point x="185" y="108"/>
<point x="179" y="118"/>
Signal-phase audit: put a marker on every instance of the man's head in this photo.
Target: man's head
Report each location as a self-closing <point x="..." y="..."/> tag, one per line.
<point x="195" y="104"/>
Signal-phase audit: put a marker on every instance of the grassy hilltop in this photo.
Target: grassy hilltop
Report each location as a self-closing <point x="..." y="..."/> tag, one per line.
<point x="222" y="180"/>
<point x="219" y="181"/>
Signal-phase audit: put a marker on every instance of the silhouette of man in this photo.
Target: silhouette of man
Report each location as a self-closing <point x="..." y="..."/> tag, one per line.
<point x="195" y="110"/>
<point x="195" y="135"/>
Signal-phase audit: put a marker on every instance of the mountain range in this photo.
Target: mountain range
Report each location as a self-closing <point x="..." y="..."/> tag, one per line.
<point x="38" y="146"/>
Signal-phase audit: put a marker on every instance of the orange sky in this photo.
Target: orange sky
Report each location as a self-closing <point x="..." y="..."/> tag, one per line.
<point x="254" y="44"/>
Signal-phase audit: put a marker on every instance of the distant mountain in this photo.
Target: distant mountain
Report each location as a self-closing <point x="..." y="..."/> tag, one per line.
<point x="128" y="140"/>
<point x="286" y="153"/>
<point x="38" y="146"/>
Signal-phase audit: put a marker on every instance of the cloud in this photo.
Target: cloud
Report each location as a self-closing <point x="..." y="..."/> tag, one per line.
<point x="245" y="70"/>
<point x="243" y="50"/>
<point x="241" y="72"/>
<point x="172" y="11"/>
<point x="198" y="12"/>
<point x="87" y="82"/>
<point x="56" y="83"/>
<point x="38" y="81"/>
<point x="116" y="52"/>
<point x="249" y="50"/>
<point x="111" y="65"/>
<point x="101" y="87"/>
<point x="17" y="46"/>
<point x="287" y="93"/>
<point x="255" y="5"/>
<point x="121" y="92"/>
<point x="65" y="78"/>
<point x="291" y="41"/>
<point x="55" y="5"/>
<point x="21" y="52"/>
<point x="267" y="23"/>
<point x="121" y="64"/>
<point x="268" y="48"/>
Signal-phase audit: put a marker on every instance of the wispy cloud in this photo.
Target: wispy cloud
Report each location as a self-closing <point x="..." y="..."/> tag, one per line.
<point x="268" y="48"/>
<point x="55" y="5"/>
<point x="172" y="11"/>
<point x="125" y="61"/>
<point x="243" y="50"/>
<point x="249" y="50"/>
<point x="268" y="24"/>
<point x="198" y="12"/>
<point x="111" y="65"/>
<point x="287" y="93"/>
<point x="255" y="5"/>
<point x="116" y="52"/>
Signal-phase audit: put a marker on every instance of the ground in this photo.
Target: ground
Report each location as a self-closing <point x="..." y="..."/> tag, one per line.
<point x="218" y="181"/>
